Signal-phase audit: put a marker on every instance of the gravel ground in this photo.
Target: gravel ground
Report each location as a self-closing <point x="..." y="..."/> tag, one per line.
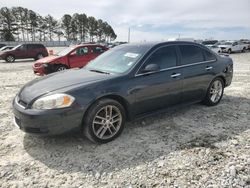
<point x="196" y="146"/>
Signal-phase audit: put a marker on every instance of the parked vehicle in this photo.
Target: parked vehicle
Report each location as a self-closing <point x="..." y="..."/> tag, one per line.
<point x="209" y="42"/>
<point x="124" y="83"/>
<point x="247" y="43"/>
<point x="232" y="46"/>
<point x="72" y="57"/>
<point x="214" y="48"/>
<point x="6" y="48"/>
<point x="24" y="51"/>
<point x="2" y="45"/>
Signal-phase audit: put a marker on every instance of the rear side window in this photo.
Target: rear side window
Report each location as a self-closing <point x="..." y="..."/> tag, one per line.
<point x="191" y="54"/>
<point x="35" y="46"/>
<point x="209" y="56"/>
<point x="165" y="57"/>
<point x="98" y="50"/>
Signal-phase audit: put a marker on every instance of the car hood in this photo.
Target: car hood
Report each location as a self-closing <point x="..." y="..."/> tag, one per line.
<point x="57" y="81"/>
<point x="48" y="59"/>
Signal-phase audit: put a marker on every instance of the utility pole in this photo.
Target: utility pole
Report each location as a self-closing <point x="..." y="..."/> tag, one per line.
<point x="129" y="35"/>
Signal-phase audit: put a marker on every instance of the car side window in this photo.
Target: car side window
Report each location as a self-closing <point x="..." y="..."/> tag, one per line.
<point x="209" y="56"/>
<point x="31" y="46"/>
<point x="82" y="51"/>
<point x="97" y="50"/>
<point x="191" y="54"/>
<point x="165" y="57"/>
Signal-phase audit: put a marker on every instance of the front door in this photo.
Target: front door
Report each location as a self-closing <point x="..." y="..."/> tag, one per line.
<point x="158" y="89"/>
<point x="79" y="57"/>
<point x="21" y="52"/>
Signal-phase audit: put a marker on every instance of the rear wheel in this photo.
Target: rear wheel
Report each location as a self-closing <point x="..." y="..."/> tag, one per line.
<point x="244" y="50"/>
<point x="214" y="92"/>
<point x="229" y="51"/>
<point x="104" y="121"/>
<point x="10" y="58"/>
<point x="39" y="56"/>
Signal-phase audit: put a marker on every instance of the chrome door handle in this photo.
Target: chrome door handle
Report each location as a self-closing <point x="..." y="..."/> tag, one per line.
<point x="174" y="75"/>
<point x="209" y="68"/>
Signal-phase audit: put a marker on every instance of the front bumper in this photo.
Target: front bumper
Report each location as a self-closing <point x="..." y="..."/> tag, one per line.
<point x="42" y="69"/>
<point x="39" y="70"/>
<point x="47" y="122"/>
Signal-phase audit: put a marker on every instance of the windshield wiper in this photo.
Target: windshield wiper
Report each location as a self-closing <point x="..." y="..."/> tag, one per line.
<point x="99" y="71"/>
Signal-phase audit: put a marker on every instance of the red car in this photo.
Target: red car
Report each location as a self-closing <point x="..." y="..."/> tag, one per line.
<point x="24" y="51"/>
<point x="71" y="57"/>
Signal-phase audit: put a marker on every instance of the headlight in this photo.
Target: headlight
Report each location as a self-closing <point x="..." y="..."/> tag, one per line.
<point x="54" y="101"/>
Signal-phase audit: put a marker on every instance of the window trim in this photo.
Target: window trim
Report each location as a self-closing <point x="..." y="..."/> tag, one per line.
<point x="179" y="65"/>
<point x="172" y="68"/>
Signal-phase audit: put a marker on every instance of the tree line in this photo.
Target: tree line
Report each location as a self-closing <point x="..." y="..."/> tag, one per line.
<point x="22" y="24"/>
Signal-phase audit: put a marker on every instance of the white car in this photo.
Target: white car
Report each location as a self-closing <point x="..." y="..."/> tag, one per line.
<point x="214" y="48"/>
<point x="232" y="46"/>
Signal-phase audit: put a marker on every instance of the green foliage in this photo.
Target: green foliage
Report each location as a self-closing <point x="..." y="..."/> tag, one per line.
<point x="18" y="23"/>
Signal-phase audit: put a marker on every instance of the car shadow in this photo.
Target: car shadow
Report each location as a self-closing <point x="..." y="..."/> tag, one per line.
<point x="145" y="140"/>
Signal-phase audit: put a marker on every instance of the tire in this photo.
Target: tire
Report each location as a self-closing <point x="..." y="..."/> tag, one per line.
<point x="39" y="56"/>
<point x="10" y="58"/>
<point x="244" y="50"/>
<point x="229" y="51"/>
<point x="215" y="92"/>
<point x="104" y="130"/>
<point x="60" y="68"/>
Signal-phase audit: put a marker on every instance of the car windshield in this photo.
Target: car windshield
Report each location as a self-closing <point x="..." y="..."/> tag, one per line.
<point x="65" y="51"/>
<point x="118" y="60"/>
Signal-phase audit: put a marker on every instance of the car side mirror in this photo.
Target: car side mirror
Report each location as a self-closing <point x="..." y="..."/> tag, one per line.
<point x="151" y="68"/>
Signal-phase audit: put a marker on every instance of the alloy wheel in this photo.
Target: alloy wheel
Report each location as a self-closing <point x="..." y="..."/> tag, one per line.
<point x="107" y="122"/>
<point x="40" y="56"/>
<point x="216" y="91"/>
<point x="10" y="58"/>
<point x="61" y="68"/>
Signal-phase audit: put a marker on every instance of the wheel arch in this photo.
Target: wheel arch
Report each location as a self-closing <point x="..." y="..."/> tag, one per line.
<point x="117" y="98"/>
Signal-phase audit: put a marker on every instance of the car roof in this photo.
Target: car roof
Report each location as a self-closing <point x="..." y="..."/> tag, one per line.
<point x="87" y="44"/>
<point x="155" y="44"/>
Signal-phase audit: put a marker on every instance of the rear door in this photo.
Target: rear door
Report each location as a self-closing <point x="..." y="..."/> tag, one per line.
<point x="79" y="57"/>
<point x="198" y="69"/>
<point x="31" y="50"/>
<point x="159" y="89"/>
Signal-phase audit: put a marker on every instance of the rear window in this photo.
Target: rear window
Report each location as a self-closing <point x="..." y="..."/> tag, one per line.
<point x="98" y="49"/>
<point x="191" y="54"/>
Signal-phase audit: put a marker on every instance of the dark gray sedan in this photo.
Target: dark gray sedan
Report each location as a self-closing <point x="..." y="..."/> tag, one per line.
<point x="124" y="83"/>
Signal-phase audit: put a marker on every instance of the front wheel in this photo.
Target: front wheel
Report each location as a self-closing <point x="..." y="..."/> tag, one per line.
<point x="214" y="92"/>
<point x="229" y="51"/>
<point x="60" y="68"/>
<point x="104" y="121"/>
<point x="10" y="58"/>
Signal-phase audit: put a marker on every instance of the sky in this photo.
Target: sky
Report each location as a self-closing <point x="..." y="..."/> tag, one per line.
<point x="155" y="20"/>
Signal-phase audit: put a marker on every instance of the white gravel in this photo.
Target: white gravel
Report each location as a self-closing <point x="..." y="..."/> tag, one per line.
<point x="196" y="146"/>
